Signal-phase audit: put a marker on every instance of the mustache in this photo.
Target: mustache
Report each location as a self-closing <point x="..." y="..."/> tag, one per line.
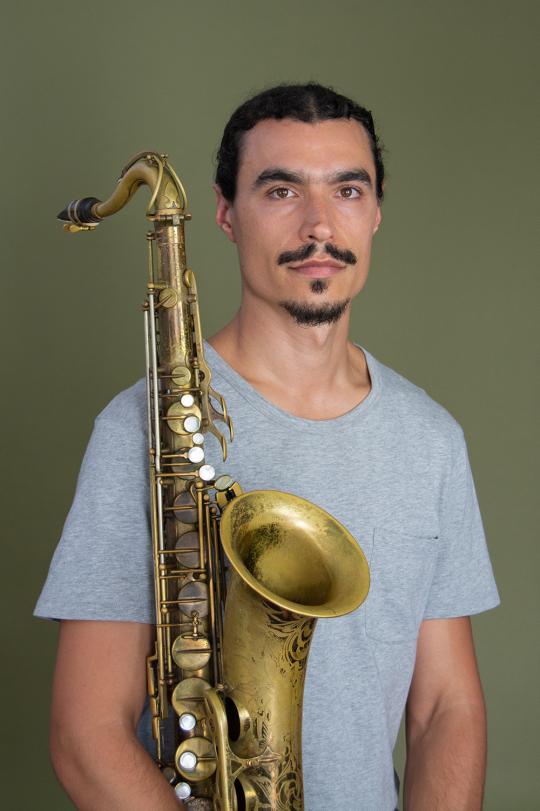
<point x="306" y="251"/>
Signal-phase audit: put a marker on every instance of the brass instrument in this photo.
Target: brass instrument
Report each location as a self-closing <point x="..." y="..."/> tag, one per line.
<point x="226" y="677"/>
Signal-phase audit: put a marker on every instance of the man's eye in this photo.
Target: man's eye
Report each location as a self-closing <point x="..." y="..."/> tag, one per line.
<point x="282" y="193"/>
<point x="349" y="192"/>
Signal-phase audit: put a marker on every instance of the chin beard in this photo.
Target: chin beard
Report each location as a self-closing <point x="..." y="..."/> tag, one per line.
<point x="318" y="286"/>
<point x="308" y="315"/>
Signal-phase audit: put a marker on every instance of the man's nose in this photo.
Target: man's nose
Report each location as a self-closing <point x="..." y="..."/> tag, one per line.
<point x="316" y="221"/>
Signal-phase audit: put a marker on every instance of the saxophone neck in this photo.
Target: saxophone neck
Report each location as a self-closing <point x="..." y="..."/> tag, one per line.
<point x="168" y="199"/>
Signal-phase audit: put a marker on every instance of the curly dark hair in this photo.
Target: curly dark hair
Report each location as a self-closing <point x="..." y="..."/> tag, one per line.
<point x="309" y="102"/>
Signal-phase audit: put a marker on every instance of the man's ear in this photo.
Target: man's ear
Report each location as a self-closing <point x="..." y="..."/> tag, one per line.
<point x="378" y="215"/>
<point x="378" y="218"/>
<point x="223" y="213"/>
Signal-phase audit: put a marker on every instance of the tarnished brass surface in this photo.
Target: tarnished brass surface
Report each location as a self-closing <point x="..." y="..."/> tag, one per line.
<point x="294" y="554"/>
<point x="230" y="654"/>
<point x="293" y="563"/>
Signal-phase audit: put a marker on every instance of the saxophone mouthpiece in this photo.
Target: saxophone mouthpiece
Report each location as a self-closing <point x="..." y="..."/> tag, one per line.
<point x="79" y="213"/>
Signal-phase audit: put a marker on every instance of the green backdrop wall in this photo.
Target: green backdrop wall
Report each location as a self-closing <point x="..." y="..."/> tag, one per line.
<point x="449" y="303"/>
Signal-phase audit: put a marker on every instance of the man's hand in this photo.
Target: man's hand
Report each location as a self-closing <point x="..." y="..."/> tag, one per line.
<point x="445" y="721"/>
<point x="98" y="695"/>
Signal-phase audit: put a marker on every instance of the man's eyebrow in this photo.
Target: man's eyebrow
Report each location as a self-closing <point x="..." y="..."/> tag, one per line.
<point x="359" y="175"/>
<point x="277" y="174"/>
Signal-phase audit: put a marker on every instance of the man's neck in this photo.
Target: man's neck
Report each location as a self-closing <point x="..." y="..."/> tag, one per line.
<point x="311" y="372"/>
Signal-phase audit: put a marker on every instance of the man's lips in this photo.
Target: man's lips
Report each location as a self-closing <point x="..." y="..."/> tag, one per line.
<point x="318" y="270"/>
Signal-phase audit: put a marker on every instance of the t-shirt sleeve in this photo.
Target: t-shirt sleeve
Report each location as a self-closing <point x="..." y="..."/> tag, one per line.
<point x="102" y="566"/>
<point x="463" y="582"/>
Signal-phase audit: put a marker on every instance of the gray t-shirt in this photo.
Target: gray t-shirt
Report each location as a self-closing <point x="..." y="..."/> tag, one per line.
<point x="394" y="470"/>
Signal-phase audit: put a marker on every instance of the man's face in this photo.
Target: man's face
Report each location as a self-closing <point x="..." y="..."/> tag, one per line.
<point x="304" y="215"/>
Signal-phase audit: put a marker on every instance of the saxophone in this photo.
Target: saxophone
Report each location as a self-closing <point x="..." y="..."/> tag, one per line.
<point x="240" y="578"/>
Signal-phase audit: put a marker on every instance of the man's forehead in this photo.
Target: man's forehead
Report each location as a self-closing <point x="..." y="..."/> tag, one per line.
<point x="321" y="148"/>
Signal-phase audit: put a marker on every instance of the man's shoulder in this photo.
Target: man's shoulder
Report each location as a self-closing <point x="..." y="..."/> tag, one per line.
<point x="128" y="408"/>
<point x="411" y="405"/>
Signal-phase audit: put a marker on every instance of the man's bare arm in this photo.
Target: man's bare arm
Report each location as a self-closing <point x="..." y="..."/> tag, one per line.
<point x="98" y="695"/>
<point x="445" y="722"/>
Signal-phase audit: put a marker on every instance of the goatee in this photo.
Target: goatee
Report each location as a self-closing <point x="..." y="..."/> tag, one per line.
<point x="307" y="315"/>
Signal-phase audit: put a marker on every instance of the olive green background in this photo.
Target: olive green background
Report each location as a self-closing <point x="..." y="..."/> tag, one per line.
<point x="449" y="302"/>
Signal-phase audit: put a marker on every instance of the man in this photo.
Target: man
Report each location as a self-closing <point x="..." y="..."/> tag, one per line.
<point x="299" y="186"/>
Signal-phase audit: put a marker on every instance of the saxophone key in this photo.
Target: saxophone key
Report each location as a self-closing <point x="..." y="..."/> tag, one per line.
<point x="191" y="424"/>
<point x="188" y="697"/>
<point x="185" y="509"/>
<point x="191" y="653"/>
<point x="183" y="419"/>
<point x="181" y="375"/>
<point x="182" y="790"/>
<point x="195" y="454"/>
<point x="187" y="546"/>
<point x="187" y="722"/>
<point x="195" y="759"/>
<point x="193" y="597"/>
<point x="188" y="761"/>
<point x="206" y="472"/>
<point x="168" y="297"/>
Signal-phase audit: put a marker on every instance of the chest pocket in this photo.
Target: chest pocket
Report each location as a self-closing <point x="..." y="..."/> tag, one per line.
<point x="401" y="569"/>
